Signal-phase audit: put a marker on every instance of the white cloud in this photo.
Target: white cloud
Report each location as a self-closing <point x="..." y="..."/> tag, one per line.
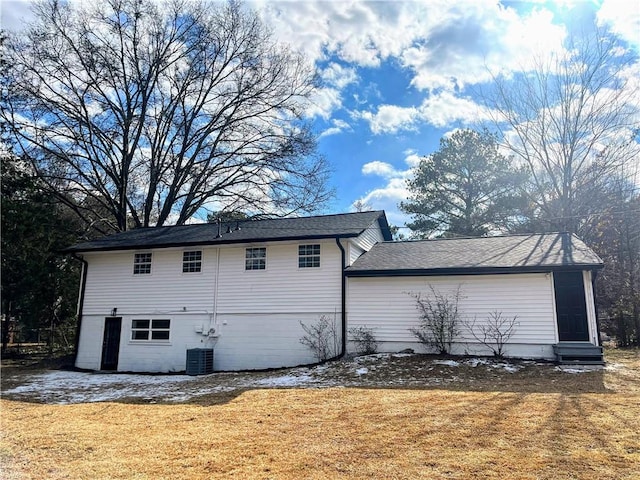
<point x="390" y="118"/>
<point x="338" y="76"/>
<point x="388" y="196"/>
<point x="412" y="158"/>
<point x="623" y="17"/>
<point x="470" y="43"/>
<point x="329" y="98"/>
<point x="445" y="108"/>
<point x="323" y="103"/>
<point x="339" y="126"/>
<point x="439" y="110"/>
<point x="382" y="169"/>
<point x="444" y="43"/>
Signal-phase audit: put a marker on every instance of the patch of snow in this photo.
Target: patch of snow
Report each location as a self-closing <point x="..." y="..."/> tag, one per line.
<point x="285" y="381"/>
<point x="508" y="368"/>
<point x="578" y="369"/>
<point x="362" y="371"/>
<point x="448" y="363"/>
<point x="75" y="387"/>
<point x="614" y="366"/>
<point x="372" y="358"/>
<point x="474" y="362"/>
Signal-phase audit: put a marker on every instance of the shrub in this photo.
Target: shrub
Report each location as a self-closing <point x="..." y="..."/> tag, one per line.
<point x="322" y="338"/>
<point x="439" y="319"/>
<point x="495" y="332"/>
<point x="364" y="340"/>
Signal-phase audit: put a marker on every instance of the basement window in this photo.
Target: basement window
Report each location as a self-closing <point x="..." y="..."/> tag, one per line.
<point x="149" y="330"/>
<point x="309" y="256"/>
<point x="142" y="263"/>
<point x="192" y="261"/>
<point x="255" y="258"/>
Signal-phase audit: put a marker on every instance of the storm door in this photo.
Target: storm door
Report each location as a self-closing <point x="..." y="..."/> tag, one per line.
<point x="571" y="308"/>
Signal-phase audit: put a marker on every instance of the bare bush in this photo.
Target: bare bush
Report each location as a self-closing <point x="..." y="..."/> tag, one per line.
<point x="322" y="338"/>
<point x="364" y="340"/>
<point x="495" y="332"/>
<point x="439" y="319"/>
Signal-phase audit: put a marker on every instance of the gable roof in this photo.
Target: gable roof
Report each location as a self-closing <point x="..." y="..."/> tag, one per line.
<point x="514" y="253"/>
<point x="344" y="225"/>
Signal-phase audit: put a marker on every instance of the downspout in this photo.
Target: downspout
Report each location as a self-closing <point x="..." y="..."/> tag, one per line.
<point x="83" y="284"/>
<point x="343" y="300"/>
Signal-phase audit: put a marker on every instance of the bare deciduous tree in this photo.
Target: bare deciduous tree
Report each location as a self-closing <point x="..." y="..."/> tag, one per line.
<point x="140" y="113"/>
<point x="572" y="120"/>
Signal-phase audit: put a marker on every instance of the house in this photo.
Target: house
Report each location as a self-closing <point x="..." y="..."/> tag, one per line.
<point x="243" y="291"/>
<point x="241" y="288"/>
<point x="543" y="281"/>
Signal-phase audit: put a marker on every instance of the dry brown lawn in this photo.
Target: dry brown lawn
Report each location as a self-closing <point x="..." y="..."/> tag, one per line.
<point x="340" y="433"/>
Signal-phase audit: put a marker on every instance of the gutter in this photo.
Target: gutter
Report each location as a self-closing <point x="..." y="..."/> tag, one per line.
<point x="430" y="272"/>
<point x="83" y="284"/>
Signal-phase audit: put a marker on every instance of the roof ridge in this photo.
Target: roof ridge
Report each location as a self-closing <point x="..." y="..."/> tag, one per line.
<point x="248" y="220"/>
<point x="506" y="235"/>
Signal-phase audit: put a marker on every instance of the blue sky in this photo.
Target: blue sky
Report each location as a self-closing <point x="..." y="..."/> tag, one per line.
<point x="397" y="76"/>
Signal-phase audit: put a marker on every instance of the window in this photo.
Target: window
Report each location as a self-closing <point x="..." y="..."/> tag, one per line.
<point x="150" y="329"/>
<point x="255" y="258"/>
<point x="141" y="263"/>
<point x="308" y="256"/>
<point x="192" y="261"/>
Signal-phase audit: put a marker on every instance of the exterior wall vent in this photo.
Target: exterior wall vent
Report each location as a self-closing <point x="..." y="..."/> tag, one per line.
<point x="199" y="361"/>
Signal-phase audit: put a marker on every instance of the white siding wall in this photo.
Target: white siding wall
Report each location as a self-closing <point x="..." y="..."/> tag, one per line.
<point x="282" y="287"/>
<point x="591" y="307"/>
<point x="256" y="313"/>
<point x="369" y="237"/>
<point x="363" y="243"/>
<point x="259" y="311"/>
<point x="354" y="252"/>
<point x="112" y="284"/>
<point x="385" y="305"/>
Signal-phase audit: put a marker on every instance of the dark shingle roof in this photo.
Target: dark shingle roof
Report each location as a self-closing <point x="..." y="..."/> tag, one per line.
<point x="541" y="252"/>
<point x="325" y="226"/>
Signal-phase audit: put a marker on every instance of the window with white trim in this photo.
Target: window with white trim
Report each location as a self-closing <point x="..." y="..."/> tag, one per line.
<point x="150" y="329"/>
<point x="309" y="256"/>
<point x="192" y="261"/>
<point x="142" y="263"/>
<point x="255" y="258"/>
